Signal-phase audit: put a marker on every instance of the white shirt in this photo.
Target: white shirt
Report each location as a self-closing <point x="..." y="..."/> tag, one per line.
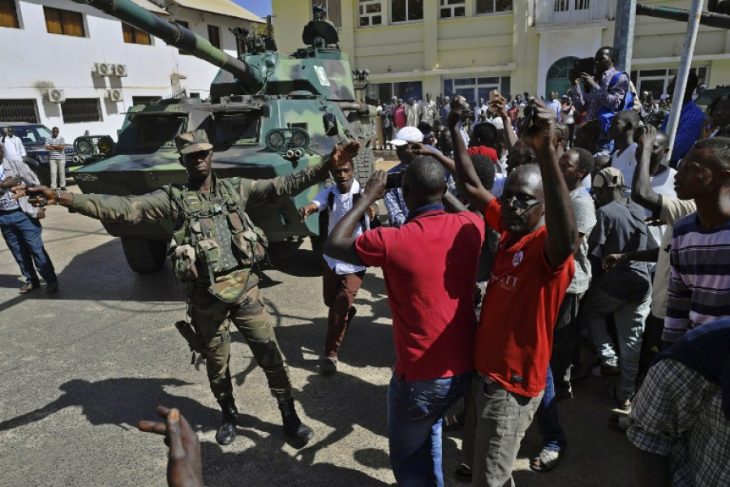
<point x="626" y="163"/>
<point x="340" y="206"/>
<point x="14" y="149"/>
<point x="662" y="184"/>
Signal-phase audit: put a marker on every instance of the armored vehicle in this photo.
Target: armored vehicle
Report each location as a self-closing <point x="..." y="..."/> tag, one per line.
<point x="268" y="115"/>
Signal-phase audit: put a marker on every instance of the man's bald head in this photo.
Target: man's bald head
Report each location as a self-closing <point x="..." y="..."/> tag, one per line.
<point x="528" y="176"/>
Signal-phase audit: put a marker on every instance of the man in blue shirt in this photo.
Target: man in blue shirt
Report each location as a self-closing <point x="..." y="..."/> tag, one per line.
<point x="691" y="121"/>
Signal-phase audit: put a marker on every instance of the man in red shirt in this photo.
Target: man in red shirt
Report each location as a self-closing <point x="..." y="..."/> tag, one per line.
<point x="429" y="264"/>
<point x="530" y="275"/>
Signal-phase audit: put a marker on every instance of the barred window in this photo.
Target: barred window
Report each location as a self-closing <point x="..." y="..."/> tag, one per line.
<point x="145" y="100"/>
<point x="77" y="110"/>
<point x="64" y="22"/>
<point x="214" y="36"/>
<point x="9" y="14"/>
<point x="493" y="6"/>
<point x="135" y="36"/>
<point x="19" y="110"/>
<point x="452" y="8"/>
<point x="370" y="12"/>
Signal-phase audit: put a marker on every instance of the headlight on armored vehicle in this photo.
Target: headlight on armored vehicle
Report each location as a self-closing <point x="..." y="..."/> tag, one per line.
<point x="284" y="139"/>
<point x="94" y="145"/>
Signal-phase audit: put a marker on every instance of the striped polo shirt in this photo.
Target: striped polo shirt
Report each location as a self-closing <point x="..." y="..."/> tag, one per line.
<point x="56" y="154"/>
<point x="699" y="283"/>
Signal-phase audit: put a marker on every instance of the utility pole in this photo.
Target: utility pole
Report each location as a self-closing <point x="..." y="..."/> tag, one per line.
<point x="623" y="36"/>
<point x="693" y="27"/>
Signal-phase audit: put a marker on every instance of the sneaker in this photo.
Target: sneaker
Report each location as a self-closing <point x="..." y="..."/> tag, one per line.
<point x="28" y="287"/>
<point x="328" y="366"/>
<point x="52" y="288"/>
<point x="605" y="370"/>
<point x="546" y="460"/>
<point x="622" y="406"/>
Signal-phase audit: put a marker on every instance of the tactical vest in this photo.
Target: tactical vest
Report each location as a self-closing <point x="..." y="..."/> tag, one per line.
<point x="217" y="241"/>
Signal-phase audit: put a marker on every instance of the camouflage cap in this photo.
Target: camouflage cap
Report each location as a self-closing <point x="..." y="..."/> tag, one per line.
<point x="194" y="141"/>
<point x="610" y="177"/>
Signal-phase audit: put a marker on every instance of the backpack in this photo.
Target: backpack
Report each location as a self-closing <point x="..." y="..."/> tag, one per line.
<point x="355" y="198"/>
<point x="605" y="115"/>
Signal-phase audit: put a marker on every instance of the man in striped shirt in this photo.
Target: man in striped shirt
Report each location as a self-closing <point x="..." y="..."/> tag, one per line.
<point x="699" y="284"/>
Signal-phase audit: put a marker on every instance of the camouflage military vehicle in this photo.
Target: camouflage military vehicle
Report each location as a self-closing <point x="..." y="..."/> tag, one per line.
<point x="268" y="115"/>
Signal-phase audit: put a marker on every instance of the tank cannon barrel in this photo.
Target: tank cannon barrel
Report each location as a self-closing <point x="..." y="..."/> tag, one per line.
<point x="173" y="34"/>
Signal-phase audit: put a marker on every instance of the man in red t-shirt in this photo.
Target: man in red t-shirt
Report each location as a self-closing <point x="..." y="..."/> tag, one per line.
<point x="531" y="272"/>
<point x="429" y="264"/>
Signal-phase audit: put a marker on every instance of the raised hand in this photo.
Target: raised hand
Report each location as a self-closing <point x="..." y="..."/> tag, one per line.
<point x="342" y="153"/>
<point x="422" y="150"/>
<point x="375" y="187"/>
<point x="542" y="129"/>
<point x="648" y="136"/>
<point x="184" y="464"/>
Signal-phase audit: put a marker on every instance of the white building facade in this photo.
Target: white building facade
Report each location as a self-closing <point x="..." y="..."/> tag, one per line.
<point x="69" y="65"/>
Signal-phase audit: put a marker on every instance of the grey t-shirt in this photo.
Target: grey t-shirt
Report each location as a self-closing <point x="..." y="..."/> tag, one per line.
<point x="585" y="219"/>
<point x="620" y="228"/>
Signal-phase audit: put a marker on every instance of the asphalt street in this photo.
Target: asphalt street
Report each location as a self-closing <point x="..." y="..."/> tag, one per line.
<point x="81" y="368"/>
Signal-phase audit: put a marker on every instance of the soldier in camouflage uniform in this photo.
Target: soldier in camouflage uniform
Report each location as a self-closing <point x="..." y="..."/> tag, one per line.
<point x="216" y="254"/>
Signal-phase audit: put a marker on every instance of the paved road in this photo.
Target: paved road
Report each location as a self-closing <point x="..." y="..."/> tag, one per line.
<point x="80" y="369"/>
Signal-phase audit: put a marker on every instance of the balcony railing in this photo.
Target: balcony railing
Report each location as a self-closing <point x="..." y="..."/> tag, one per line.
<point x="551" y="12"/>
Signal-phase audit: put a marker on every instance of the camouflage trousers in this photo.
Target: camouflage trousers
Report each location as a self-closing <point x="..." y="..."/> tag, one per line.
<point x="210" y="317"/>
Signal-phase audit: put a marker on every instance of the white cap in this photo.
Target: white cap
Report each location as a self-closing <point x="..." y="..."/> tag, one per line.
<point x="407" y="135"/>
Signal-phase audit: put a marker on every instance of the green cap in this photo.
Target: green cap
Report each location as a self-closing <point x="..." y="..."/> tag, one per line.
<point x="194" y="141"/>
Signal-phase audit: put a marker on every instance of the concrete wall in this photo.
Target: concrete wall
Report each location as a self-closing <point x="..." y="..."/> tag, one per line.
<point x="33" y="59"/>
<point x="506" y="44"/>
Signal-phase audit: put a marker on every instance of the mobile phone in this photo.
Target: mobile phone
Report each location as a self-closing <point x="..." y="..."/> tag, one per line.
<point x="393" y="180"/>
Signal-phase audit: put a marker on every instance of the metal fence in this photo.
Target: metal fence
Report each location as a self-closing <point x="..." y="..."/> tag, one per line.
<point x="77" y="110"/>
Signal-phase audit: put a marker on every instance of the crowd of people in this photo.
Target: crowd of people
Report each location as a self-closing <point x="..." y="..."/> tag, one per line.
<point x="520" y="256"/>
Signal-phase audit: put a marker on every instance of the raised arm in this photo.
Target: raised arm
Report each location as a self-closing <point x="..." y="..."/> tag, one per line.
<point x="499" y="105"/>
<point x="559" y="215"/>
<point x="341" y="244"/>
<point x="425" y="150"/>
<point x="641" y="190"/>
<point x="478" y="195"/>
<point x="268" y="190"/>
<point x="157" y="205"/>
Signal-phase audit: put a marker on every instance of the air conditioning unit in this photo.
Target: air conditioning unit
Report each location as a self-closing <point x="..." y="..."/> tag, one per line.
<point x="103" y="69"/>
<point x="120" y="70"/>
<point x="54" y="95"/>
<point x="114" y="95"/>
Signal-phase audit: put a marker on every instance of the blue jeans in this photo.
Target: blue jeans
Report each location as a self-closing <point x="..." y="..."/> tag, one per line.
<point x="547" y="418"/>
<point x="414" y="426"/>
<point x="23" y="236"/>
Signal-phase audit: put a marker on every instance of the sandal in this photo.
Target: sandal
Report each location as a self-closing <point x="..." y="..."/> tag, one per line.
<point x="546" y="460"/>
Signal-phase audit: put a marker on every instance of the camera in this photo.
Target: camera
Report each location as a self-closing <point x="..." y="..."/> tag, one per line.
<point x="394" y="180"/>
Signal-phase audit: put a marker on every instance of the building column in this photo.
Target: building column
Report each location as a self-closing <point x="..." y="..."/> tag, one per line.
<point x="525" y="46"/>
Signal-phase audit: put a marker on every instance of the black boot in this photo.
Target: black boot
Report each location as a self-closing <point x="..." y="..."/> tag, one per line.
<point x="293" y="427"/>
<point x="227" y="431"/>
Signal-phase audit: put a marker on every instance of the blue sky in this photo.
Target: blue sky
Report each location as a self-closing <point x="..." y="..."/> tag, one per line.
<point x="261" y="8"/>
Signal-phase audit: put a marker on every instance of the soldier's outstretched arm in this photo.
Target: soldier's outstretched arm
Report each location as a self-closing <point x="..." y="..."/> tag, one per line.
<point x="268" y="190"/>
<point x="156" y="205"/>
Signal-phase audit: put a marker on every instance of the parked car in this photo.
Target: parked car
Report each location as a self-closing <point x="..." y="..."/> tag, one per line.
<point x="33" y="136"/>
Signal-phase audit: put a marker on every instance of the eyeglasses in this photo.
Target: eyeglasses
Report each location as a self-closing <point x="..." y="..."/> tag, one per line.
<point x="519" y="201"/>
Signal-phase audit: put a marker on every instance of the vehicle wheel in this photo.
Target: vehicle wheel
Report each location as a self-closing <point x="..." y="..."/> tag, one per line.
<point x="364" y="165"/>
<point x="144" y="255"/>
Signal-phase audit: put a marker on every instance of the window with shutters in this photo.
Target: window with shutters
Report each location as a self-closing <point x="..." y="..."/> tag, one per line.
<point x="214" y="36"/>
<point x="64" y="22"/>
<point x="406" y="10"/>
<point x="135" y="36"/>
<point x="9" y="14"/>
<point x="334" y="10"/>
<point x="12" y="110"/>
<point x="452" y="8"/>
<point x="77" y="110"/>
<point x="370" y="12"/>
